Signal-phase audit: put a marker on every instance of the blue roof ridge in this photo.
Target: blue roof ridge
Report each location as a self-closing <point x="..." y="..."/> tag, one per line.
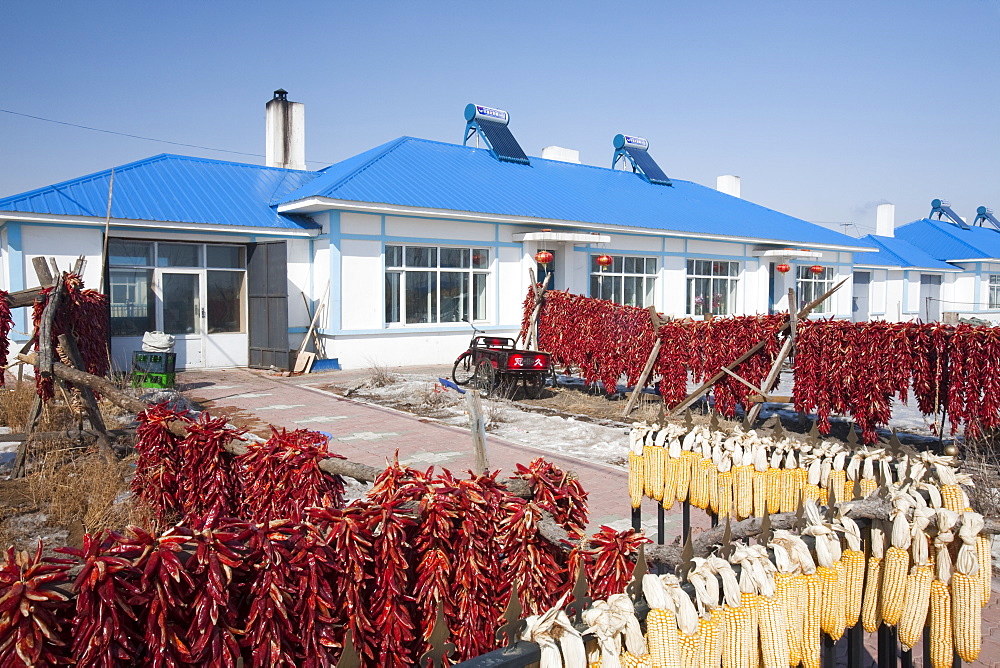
<point x="389" y="148"/>
<point x="951" y="234"/>
<point x="883" y="247"/>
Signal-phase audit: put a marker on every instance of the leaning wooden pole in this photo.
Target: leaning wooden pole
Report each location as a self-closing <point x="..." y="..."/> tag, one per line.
<point x="654" y="355"/>
<point x="707" y="385"/>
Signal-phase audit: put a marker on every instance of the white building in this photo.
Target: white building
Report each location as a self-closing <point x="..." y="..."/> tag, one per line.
<point x="412" y="237"/>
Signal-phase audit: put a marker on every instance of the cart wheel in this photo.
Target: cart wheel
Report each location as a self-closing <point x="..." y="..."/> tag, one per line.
<point x="534" y="386"/>
<point x="464" y="369"/>
<point x="485" y="378"/>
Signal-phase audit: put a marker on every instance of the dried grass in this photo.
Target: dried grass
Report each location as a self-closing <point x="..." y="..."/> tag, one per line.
<point x="496" y="412"/>
<point x="380" y="376"/>
<point x="981" y="459"/>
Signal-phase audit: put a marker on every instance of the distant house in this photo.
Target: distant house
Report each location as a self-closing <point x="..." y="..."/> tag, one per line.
<point x="413" y="238"/>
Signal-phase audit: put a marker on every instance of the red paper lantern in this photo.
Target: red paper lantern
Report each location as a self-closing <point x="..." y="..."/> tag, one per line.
<point x="543" y="257"/>
<point x="784" y="268"/>
<point x="816" y="269"/>
<point x="604" y="261"/>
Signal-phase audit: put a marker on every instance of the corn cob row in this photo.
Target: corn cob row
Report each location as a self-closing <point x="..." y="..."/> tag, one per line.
<point x="966" y="591"/>
<point x="916" y="600"/>
<point x="897" y="560"/>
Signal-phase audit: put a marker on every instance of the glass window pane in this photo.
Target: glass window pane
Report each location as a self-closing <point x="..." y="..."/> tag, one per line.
<point x="702" y="296"/>
<point x="421" y="296"/>
<point x="224" y="257"/>
<point x="595" y="287"/>
<point x="632" y="291"/>
<point x="454" y="296"/>
<point x="179" y="255"/>
<point x="132" y="312"/>
<point x="130" y="253"/>
<point x="394" y="256"/>
<point x="630" y="265"/>
<point x="617" y="266"/>
<point x="392" y="297"/>
<point x="225" y="301"/>
<point x="648" y="301"/>
<point x="455" y="258"/>
<point x="181" y="304"/>
<point x="480" y="258"/>
<point x="650" y="265"/>
<point x="417" y="256"/>
<point x="690" y="264"/>
<point x="479" y="296"/>
<point x="594" y="267"/>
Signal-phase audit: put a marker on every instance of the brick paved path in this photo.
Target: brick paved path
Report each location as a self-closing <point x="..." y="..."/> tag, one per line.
<point x="372" y="434"/>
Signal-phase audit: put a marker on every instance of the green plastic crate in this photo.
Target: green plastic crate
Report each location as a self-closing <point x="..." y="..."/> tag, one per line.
<point x="162" y="381"/>
<point x="146" y="362"/>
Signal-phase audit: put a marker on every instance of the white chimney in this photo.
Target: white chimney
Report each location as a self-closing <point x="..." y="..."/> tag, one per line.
<point x="561" y="154"/>
<point x="885" y="220"/>
<point x="286" y="132"/>
<point x="728" y="184"/>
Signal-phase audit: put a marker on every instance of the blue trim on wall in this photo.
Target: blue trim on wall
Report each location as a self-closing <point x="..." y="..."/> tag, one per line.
<point x="336" y="263"/>
<point x="15" y="270"/>
<point x="464" y="330"/>
<point x="428" y="240"/>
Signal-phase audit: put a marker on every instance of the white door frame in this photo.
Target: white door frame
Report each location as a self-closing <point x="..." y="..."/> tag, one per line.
<point x="191" y="342"/>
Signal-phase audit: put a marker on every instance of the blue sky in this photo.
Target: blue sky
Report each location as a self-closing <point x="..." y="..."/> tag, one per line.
<point x="825" y="109"/>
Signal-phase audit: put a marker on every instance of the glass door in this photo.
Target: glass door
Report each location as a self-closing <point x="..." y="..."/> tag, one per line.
<point x="183" y="313"/>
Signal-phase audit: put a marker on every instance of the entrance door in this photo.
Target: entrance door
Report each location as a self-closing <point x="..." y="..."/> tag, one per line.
<point x="267" y="294"/>
<point x="183" y="314"/>
<point x="930" y="297"/>
<point x="862" y="290"/>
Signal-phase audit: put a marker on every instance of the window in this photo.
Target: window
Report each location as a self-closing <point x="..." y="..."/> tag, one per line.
<point x="711" y="287"/>
<point x="629" y="280"/>
<point x="426" y="284"/>
<point x="136" y="266"/>
<point x="810" y="285"/>
<point x="994" y="291"/>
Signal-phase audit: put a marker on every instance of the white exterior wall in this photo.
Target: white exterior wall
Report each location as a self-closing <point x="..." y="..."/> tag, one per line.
<point x="877" y="308"/>
<point x="64" y="244"/>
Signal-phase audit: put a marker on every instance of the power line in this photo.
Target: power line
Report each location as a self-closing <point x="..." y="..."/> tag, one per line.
<point x="131" y="136"/>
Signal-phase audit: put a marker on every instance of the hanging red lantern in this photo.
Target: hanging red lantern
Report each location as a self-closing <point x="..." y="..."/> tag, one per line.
<point x="817" y="269"/>
<point x="604" y="261"/>
<point x="544" y="257"/>
<point x="784" y="268"/>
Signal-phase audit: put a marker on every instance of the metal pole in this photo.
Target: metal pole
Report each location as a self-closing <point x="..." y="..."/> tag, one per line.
<point x="685" y="519"/>
<point x="855" y="645"/>
<point x="828" y="652"/>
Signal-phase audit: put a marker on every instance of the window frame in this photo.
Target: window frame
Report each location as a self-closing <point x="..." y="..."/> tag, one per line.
<point x="474" y="303"/>
<point x="649" y="278"/>
<point x="731" y="277"/>
<point x="819" y="284"/>
<point x="993" y="292"/>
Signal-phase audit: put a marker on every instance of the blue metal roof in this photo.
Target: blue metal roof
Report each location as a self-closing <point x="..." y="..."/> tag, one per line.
<point x="421" y="173"/>
<point x="174" y="188"/>
<point x="893" y="252"/>
<point x="947" y="241"/>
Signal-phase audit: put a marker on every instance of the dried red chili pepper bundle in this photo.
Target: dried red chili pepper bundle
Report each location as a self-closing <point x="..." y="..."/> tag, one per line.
<point x="84" y="315"/>
<point x="218" y="566"/>
<point x="557" y="492"/>
<point x="159" y="462"/>
<point x="282" y="477"/>
<point x="106" y="629"/>
<point x="6" y="324"/>
<point x="210" y="483"/>
<point x="538" y="567"/>
<point x="609" y="560"/>
<point x="35" y="609"/>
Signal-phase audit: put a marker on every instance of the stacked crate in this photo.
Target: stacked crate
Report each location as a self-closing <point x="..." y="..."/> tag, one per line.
<point x="156" y="370"/>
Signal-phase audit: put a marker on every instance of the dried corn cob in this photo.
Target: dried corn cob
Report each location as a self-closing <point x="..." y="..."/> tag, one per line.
<point x="918" y="583"/>
<point x="871" y="603"/>
<point x="966" y="591"/>
<point x="897" y="560"/>
<point x="942" y="643"/>
<point x="853" y="559"/>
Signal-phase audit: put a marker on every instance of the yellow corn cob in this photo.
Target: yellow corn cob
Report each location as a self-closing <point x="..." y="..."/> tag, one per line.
<point x="799" y="591"/>
<point x="868" y="487"/>
<point x="751" y="631"/>
<point x="836" y="482"/>
<point x="801" y="478"/>
<point x="812" y="493"/>
<point x="784" y="586"/>
<point x="942" y="649"/>
<point x="897" y="561"/>
<point x="743" y="491"/>
<point x="653" y="487"/>
<point x="687" y="464"/>
<point x="690" y="646"/>
<point x="832" y="603"/>
<point x="700" y="481"/>
<point x="915" y="604"/>
<point x="636" y="478"/>
<point x="759" y="492"/>
<point x="854" y="581"/>
<point x="983" y="552"/>
<point x="811" y="623"/>
<point x="669" y="481"/>
<point x="789" y="491"/>
<point x="848" y="494"/>
<point x="774" y="484"/>
<point x="966" y="615"/>
<point x="724" y="497"/>
<point x="736" y="621"/>
<point x="713" y="489"/>
<point x="630" y="660"/>
<point x="710" y="644"/>
<point x="953" y="498"/>
<point x="663" y="639"/>
<point x="773" y="633"/>
<point x="871" y="603"/>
